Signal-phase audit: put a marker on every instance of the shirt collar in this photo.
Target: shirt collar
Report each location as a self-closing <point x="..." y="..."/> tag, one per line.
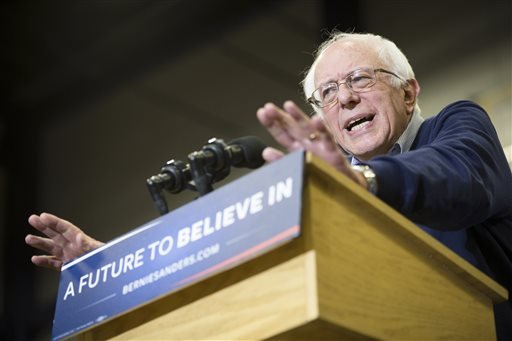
<point x="404" y="142"/>
<point x="407" y="138"/>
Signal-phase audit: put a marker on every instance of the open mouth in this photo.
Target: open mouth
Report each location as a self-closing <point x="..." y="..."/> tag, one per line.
<point x="359" y="123"/>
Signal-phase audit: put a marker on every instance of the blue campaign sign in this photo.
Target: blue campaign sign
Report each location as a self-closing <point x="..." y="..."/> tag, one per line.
<point x="231" y="225"/>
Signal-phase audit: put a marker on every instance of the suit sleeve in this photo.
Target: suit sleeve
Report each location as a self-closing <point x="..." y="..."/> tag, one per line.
<point x="457" y="175"/>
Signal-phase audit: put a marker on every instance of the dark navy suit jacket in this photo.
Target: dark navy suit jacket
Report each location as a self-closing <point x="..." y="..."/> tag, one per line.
<point x="456" y="184"/>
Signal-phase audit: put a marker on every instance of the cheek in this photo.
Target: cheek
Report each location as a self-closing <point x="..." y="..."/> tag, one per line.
<point x="398" y="115"/>
<point x="392" y="110"/>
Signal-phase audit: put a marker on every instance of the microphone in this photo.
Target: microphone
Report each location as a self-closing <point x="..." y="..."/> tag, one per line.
<point x="247" y="152"/>
<point x="211" y="164"/>
<point x="243" y="152"/>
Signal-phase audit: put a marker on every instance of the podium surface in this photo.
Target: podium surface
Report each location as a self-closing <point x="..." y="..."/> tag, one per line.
<point x="359" y="270"/>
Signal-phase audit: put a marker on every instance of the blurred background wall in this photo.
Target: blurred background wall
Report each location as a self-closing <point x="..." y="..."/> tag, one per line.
<point x="99" y="94"/>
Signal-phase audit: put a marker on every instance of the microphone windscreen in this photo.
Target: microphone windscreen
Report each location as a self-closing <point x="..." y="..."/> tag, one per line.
<point x="252" y="148"/>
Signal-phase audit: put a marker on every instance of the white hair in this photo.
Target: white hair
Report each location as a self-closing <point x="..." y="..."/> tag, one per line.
<point x="394" y="59"/>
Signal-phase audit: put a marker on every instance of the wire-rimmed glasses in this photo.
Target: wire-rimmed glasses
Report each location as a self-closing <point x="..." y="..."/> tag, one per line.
<point x="359" y="80"/>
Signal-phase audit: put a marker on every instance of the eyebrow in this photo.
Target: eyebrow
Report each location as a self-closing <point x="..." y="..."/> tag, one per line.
<point x="334" y="80"/>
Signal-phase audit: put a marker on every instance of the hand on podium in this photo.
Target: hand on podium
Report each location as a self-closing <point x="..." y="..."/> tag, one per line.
<point x="63" y="242"/>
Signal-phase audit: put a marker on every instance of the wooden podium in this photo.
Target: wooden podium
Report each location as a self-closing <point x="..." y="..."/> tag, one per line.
<point x="360" y="270"/>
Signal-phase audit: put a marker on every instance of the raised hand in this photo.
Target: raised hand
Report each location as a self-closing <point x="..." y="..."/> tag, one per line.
<point x="293" y="130"/>
<point x="63" y="242"/>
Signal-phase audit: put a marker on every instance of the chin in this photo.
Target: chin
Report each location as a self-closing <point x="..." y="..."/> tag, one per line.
<point x="364" y="153"/>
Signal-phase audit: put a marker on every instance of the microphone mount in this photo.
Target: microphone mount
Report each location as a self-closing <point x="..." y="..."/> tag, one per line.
<point x="209" y="165"/>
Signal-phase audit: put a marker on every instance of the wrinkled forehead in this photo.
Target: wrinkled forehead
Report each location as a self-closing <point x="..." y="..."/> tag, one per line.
<point x="343" y="57"/>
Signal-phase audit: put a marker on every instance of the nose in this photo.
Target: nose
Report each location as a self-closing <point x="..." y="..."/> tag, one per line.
<point x="346" y="97"/>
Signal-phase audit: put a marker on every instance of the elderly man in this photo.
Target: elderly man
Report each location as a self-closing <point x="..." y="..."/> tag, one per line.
<point x="448" y="174"/>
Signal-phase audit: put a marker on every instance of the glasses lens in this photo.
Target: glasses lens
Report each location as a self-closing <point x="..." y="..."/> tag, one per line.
<point x="326" y="94"/>
<point x="362" y="80"/>
<point x="359" y="81"/>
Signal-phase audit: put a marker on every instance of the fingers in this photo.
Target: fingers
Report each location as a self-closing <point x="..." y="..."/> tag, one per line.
<point x="61" y="231"/>
<point x="290" y="127"/>
<point x="49" y="262"/>
<point x="39" y="225"/>
<point x="329" y="143"/>
<point x="65" y="242"/>
<point x="44" y="244"/>
<point x="274" y="120"/>
<point x="293" y="109"/>
<point x="319" y="125"/>
<point x="300" y="126"/>
<point x="57" y="224"/>
<point x="271" y="154"/>
<point x="293" y="129"/>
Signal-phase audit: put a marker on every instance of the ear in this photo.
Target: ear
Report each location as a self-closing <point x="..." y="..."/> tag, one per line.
<point x="411" y="92"/>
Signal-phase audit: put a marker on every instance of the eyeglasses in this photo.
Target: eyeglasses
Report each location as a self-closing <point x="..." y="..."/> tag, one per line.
<point x="360" y="80"/>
